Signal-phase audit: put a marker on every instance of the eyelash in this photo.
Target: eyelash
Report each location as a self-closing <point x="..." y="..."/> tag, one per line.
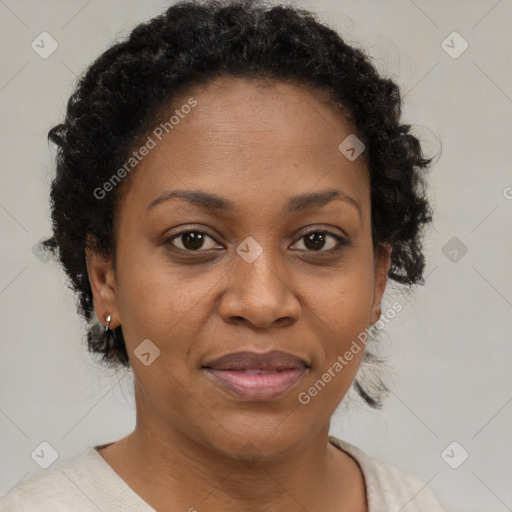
<point x="341" y="241"/>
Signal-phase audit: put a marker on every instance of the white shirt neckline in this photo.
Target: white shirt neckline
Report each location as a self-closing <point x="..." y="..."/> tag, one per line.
<point x="88" y="483"/>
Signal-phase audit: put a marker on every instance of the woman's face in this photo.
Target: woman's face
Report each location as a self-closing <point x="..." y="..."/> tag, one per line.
<point x="255" y="281"/>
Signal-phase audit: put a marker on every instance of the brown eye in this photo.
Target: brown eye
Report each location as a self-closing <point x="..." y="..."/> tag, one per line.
<point x="317" y="240"/>
<point x="191" y="240"/>
<point x="314" y="241"/>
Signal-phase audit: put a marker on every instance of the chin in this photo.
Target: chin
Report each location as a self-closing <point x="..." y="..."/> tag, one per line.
<point x="257" y="440"/>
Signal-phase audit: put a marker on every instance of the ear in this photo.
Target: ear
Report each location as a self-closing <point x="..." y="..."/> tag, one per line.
<point x="101" y="277"/>
<point x="381" y="270"/>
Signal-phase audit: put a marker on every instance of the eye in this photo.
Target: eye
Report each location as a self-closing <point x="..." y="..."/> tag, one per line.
<point x="317" y="240"/>
<point x="191" y="240"/>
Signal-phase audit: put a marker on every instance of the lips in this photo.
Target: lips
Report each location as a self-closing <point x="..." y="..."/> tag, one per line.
<point x="257" y="377"/>
<point x="275" y="361"/>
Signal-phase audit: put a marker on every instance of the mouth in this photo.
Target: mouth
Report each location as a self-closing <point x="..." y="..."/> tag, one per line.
<point x="257" y="377"/>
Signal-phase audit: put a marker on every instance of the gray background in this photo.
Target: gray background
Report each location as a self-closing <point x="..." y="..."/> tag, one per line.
<point x="449" y="351"/>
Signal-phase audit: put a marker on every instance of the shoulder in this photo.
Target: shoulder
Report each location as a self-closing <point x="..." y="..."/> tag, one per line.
<point x="63" y="487"/>
<point x="388" y="488"/>
<point x="72" y="485"/>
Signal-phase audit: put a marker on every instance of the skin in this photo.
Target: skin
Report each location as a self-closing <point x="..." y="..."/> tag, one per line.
<point x="256" y="144"/>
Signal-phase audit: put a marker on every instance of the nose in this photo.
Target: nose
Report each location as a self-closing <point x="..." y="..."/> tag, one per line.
<point x="259" y="294"/>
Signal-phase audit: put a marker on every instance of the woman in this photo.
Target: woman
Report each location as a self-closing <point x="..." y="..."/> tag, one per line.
<point x="234" y="189"/>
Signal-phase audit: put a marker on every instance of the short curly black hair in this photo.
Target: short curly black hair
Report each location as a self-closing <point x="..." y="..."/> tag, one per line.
<point x="122" y="93"/>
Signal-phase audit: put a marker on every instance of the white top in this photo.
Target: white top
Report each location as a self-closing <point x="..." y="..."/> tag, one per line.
<point x="89" y="484"/>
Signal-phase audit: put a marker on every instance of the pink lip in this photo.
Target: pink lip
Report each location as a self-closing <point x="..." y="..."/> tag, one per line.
<point x="254" y="376"/>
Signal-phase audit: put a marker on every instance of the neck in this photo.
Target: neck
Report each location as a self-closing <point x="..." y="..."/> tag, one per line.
<point x="166" y="465"/>
<point x="223" y="482"/>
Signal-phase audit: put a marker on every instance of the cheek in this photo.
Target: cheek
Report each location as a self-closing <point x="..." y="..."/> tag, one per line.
<point x="158" y="301"/>
<point x="340" y="310"/>
<point x="343" y="299"/>
<point x="341" y="318"/>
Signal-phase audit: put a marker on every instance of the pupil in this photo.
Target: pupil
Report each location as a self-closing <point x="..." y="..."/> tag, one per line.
<point x="193" y="240"/>
<point x="315" y="238"/>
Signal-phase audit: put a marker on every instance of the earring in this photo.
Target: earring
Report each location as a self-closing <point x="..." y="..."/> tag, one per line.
<point x="107" y="327"/>
<point x="110" y="335"/>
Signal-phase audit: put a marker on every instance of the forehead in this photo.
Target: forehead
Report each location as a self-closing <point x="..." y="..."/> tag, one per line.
<point x="250" y="138"/>
<point x="245" y="107"/>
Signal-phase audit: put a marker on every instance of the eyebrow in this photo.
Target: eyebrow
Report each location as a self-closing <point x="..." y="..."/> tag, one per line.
<point x="213" y="202"/>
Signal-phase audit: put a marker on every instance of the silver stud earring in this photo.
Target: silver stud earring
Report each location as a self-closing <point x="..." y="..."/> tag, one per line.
<point x="107" y="327"/>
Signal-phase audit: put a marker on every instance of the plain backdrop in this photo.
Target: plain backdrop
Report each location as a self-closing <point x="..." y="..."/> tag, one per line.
<point x="449" y="351"/>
